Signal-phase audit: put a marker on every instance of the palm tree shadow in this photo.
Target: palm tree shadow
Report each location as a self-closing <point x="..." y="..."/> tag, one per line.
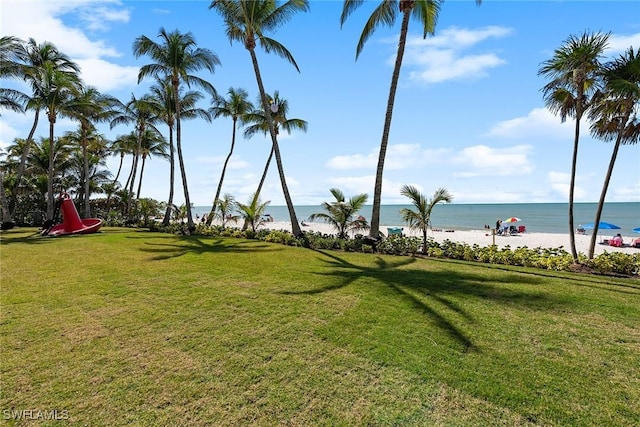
<point x="195" y="245"/>
<point x="430" y="292"/>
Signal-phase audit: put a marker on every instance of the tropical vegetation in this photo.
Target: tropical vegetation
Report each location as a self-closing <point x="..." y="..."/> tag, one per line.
<point x="36" y="168"/>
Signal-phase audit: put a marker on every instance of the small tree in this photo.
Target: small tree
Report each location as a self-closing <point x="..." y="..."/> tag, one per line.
<point x="252" y="212"/>
<point x="420" y="219"/>
<point x="341" y="214"/>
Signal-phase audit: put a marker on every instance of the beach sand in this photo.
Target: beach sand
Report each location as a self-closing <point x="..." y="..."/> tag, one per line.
<point x="485" y="238"/>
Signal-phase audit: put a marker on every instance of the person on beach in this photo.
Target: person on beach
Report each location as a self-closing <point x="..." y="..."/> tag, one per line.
<point x="498" y="226"/>
<point x="616" y="240"/>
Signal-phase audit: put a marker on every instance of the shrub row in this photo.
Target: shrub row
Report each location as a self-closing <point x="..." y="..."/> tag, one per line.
<point x="556" y="259"/>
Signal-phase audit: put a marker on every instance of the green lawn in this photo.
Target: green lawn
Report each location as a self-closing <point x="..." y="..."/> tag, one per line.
<point x="131" y="327"/>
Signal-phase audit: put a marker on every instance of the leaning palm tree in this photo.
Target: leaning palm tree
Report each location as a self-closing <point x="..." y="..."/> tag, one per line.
<point x="253" y="211"/>
<point x="175" y="58"/>
<point x="574" y="70"/>
<point x="420" y="218"/>
<point x="248" y="22"/>
<point x="237" y="106"/>
<point x="615" y="116"/>
<point x="424" y="11"/>
<point x="279" y="109"/>
<point x="341" y="213"/>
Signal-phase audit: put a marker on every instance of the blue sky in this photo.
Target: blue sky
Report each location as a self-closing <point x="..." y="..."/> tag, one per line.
<point x="469" y="114"/>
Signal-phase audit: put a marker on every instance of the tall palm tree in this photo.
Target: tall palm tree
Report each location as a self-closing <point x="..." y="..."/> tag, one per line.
<point x="615" y="116"/>
<point x="59" y="89"/>
<point x="27" y="62"/>
<point x="248" y="22"/>
<point x="424" y="11"/>
<point x="574" y="71"/>
<point x="141" y="113"/>
<point x="162" y="92"/>
<point x="279" y="108"/>
<point x="420" y="218"/>
<point x="176" y="57"/>
<point x="341" y="214"/>
<point x="236" y="106"/>
<point x="92" y="149"/>
<point x="122" y="146"/>
<point x="90" y="107"/>
<point x="153" y="144"/>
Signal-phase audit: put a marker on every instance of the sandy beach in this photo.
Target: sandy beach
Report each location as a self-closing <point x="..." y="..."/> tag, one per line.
<point x="485" y="238"/>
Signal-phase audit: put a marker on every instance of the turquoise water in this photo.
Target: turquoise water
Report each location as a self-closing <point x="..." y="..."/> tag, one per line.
<point x="537" y="217"/>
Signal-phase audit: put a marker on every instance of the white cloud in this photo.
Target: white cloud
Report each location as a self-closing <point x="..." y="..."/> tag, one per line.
<point x="45" y="23"/>
<point x="538" y="123"/>
<point x="398" y="157"/>
<point x="99" y="18"/>
<point x="560" y="182"/>
<point x="620" y="43"/>
<point x="442" y="57"/>
<point x="481" y="160"/>
<point x="106" y="76"/>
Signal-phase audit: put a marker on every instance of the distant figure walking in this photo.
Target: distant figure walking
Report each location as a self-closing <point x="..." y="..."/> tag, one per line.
<point x="498" y="226"/>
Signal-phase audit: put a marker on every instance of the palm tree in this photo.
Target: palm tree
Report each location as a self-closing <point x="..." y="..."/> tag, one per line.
<point x="225" y="209"/>
<point x="614" y="116"/>
<point x="175" y="58"/>
<point x="247" y="22"/>
<point x="89" y="107"/>
<point x="141" y="113"/>
<point x="279" y="108"/>
<point x="253" y="211"/>
<point x="27" y="62"/>
<point x="59" y="89"/>
<point x="424" y="11"/>
<point x="420" y="218"/>
<point x="153" y="144"/>
<point x="121" y="146"/>
<point x="341" y="214"/>
<point x="162" y="92"/>
<point x="574" y="71"/>
<point x="237" y="106"/>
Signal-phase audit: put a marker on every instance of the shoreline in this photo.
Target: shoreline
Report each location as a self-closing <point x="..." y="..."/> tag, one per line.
<point x="485" y="237"/>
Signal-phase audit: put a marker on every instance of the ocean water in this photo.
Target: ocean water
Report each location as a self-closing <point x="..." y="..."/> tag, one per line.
<point x="537" y="217"/>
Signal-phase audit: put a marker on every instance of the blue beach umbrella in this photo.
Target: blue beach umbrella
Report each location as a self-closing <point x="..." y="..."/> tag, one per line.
<point x="636" y="230"/>
<point x="602" y="226"/>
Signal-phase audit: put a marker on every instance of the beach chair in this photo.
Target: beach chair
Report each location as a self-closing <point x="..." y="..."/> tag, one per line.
<point x="394" y="231"/>
<point x="522" y="228"/>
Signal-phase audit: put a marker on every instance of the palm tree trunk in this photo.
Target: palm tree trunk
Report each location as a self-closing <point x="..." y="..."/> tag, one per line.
<point x="603" y="194"/>
<point x="115" y="180"/>
<point x="52" y="120"/>
<point x="7" y="219"/>
<point x="144" y="159"/>
<point x="134" y="169"/>
<point x="183" y="172"/>
<point x="85" y="156"/>
<point x="574" y="161"/>
<point x="23" y="161"/>
<point x="172" y="159"/>
<point x="224" y="169"/>
<point x="374" y="231"/>
<point x="264" y="173"/>
<point x="295" y="225"/>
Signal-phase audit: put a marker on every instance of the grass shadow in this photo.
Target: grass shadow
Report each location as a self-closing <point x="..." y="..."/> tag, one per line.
<point x="195" y="245"/>
<point x="432" y="292"/>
